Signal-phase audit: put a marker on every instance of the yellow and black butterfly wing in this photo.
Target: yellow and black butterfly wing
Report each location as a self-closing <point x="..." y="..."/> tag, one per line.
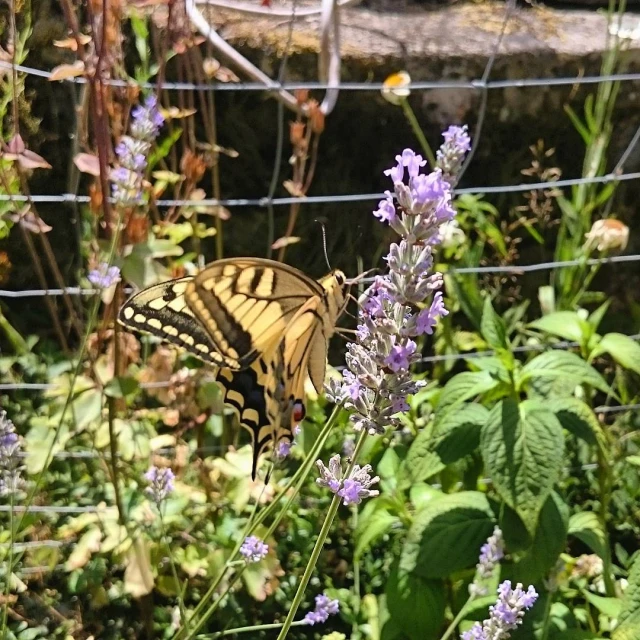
<point x="162" y="311"/>
<point x="246" y="304"/>
<point x="256" y="396"/>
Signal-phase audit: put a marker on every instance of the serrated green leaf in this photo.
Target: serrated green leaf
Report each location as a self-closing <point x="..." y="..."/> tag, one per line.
<point x="629" y="617"/>
<point x="492" y="327"/>
<point x="452" y="437"/>
<point x="548" y="543"/>
<point x="458" y="522"/>
<point x="586" y="526"/>
<point x="624" y="350"/>
<point x="374" y="521"/>
<point x="415" y="605"/>
<point x="578" y="418"/>
<point x="564" y="324"/>
<point x="463" y="387"/>
<point x="569" y="367"/>
<point x="522" y="447"/>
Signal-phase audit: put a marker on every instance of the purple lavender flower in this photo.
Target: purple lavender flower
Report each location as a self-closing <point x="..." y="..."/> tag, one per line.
<point x="386" y="211"/>
<point x="505" y="615"/>
<point x="325" y="607"/>
<point x="450" y="156"/>
<point x="491" y="552"/>
<point x="330" y="476"/>
<point x="127" y="176"/>
<point x="393" y="309"/>
<point x="283" y="449"/>
<point x="104" y="276"/>
<point x="253" y="549"/>
<point x="352" y="489"/>
<point x="160" y="484"/>
<point x="146" y="120"/>
<point x="10" y="468"/>
<point x="427" y="319"/>
<point x="400" y="355"/>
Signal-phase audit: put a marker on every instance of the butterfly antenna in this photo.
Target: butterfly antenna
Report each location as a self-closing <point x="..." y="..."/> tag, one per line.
<point x="324" y="244"/>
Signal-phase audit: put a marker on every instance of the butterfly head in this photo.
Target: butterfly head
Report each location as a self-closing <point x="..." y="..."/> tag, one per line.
<point x="336" y="288"/>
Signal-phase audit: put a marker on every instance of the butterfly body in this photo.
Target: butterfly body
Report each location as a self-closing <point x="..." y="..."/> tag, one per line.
<point x="264" y="325"/>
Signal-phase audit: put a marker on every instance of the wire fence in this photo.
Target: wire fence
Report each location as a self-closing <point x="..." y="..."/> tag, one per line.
<point x="482" y="85"/>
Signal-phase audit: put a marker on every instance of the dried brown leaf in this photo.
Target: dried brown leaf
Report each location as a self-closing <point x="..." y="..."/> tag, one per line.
<point x="64" y="71"/>
<point x="285" y="241"/>
<point x="87" y="163"/>
<point x="72" y="43"/>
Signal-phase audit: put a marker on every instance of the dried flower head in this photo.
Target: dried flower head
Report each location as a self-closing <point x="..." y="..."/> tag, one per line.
<point x="324" y="608"/>
<point x="253" y="549"/>
<point x="505" y="615"/>
<point x="395" y="89"/>
<point x="607" y="235"/>
<point x="10" y="468"/>
<point x="160" y="484"/>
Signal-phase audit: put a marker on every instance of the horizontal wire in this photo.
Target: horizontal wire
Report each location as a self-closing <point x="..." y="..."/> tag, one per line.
<point x="329" y="199"/>
<point x="511" y="269"/>
<point x="418" y="85"/>
<point x="56" y="509"/>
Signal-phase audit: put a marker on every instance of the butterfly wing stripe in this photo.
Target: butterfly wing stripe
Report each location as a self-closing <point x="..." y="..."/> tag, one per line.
<point x="246" y="394"/>
<point x="162" y="311"/>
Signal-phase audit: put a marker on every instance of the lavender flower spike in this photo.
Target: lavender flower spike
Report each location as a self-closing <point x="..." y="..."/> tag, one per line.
<point x="253" y="549"/>
<point x="406" y="302"/>
<point x="505" y="615"/>
<point x="352" y="489"/>
<point x="491" y="552"/>
<point x="160" y="484"/>
<point x="325" y="607"/>
<point x="10" y="467"/>
<point x="127" y="176"/>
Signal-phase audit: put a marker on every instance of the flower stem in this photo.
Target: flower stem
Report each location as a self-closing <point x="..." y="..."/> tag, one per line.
<point x="296" y="480"/>
<point x="547" y="617"/>
<point x="255" y="627"/>
<point x="413" y="121"/>
<point x="456" y="621"/>
<point x="174" y="570"/>
<point x="315" y="554"/>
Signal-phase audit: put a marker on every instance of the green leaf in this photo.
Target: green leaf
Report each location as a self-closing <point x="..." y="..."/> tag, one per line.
<point x="457" y="522"/>
<point x="463" y="387"/>
<point x="121" y="387"/>
<point x="493" y="365"/>
<point x="373" y="522"/>
<point x="549" y="541"/>
<point x="568" y="367"/>
<point x="415" y="605"/>
<point x="578" y="418"/>
<point x="586" y="526"/>
<point x="609" y="606"/>
<point x="522" y="447"/>
<point x="492" y="327"/>
<point x="453" y="437"/>
<point x="578" y="125"/>
<point x="629" y="618"/>
<point x="564" y="324"/>
<point x="624" y="350"/>
<point x="595" y="318"/>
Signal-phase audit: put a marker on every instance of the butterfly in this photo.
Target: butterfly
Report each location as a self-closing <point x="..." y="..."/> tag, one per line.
<point x="263" y="325"/>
